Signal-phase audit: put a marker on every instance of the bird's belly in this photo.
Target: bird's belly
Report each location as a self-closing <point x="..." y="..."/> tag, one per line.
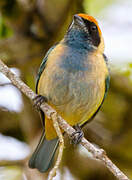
<point x="83" y="102"/>
<point x="75" y="97"/>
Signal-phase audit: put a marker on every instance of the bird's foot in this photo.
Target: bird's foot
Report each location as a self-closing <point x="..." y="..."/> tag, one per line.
<point x="77" y="135"/>
<point x="38" y="100"/>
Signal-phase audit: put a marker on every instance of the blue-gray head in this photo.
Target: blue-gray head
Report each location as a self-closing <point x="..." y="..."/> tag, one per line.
<point x="84" y="32"/>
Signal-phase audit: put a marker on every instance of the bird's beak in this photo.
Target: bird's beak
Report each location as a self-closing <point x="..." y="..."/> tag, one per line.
<point x="78" y="20"/>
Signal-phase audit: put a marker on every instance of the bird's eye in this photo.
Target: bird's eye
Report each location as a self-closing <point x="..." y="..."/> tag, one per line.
<point x="93" y="28"/>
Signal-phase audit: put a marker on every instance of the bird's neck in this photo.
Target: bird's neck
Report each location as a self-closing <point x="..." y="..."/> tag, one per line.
<point x="78" y="39"/>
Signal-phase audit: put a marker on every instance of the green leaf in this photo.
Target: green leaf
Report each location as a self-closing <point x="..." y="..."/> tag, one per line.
<point x="5" y="31"/>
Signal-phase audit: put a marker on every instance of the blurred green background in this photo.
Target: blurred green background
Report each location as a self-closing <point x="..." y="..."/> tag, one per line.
<point x="27" y="29"/>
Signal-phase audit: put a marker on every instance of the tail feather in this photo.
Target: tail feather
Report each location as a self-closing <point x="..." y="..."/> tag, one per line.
<point x="43" y="155"/>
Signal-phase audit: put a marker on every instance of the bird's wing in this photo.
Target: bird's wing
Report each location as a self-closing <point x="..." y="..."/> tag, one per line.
<point x="107" y="80"/>
<point x="42" y="66"/>
<point x="41" y="69"/>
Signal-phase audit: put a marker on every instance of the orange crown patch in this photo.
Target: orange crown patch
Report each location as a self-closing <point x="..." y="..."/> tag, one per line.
<point x="91" y="19"/>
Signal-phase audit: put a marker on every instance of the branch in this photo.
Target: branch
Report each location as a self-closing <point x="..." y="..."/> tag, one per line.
<point x="98" y="154"/>
<point x="61" y="147"/>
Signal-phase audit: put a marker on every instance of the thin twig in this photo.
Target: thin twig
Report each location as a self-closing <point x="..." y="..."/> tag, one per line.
<point x="61" y="147"/>
<point x="97" y="153"/>
<point x="13" y="162"/>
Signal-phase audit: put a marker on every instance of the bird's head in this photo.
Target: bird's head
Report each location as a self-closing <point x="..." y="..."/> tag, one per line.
<point x="85" y="29"/>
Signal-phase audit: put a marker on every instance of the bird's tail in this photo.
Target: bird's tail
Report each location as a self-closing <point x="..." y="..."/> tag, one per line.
<point x="44" y="153"/>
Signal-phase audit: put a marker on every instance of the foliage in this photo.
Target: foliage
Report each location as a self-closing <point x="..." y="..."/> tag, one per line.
<point x="5" y="31"/>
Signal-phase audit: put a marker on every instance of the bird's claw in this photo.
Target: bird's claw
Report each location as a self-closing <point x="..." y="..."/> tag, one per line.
<point x="77" y="135"/>
<point x="38" y="100"/>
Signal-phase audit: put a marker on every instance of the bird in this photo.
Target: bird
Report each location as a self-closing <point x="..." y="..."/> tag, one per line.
<point x="73" y="78"/>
